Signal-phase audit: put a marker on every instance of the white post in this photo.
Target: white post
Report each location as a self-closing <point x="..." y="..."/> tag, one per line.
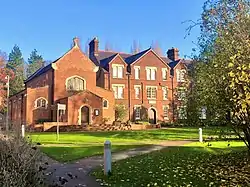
<point x="7" y="107"/>
<point x="107" y="157"/>
<point x="23" y="131"/>
<point x="57" y="126"/>
<point x="200" y="134"/>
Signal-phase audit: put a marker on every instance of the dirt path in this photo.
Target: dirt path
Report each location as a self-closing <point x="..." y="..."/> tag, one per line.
<point x="77" y="174"/>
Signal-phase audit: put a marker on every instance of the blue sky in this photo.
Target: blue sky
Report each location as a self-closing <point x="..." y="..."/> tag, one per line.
<point x="50" y="25"/>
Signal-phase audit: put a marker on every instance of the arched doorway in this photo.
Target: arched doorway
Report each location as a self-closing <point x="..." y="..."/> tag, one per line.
<point x="85" y="115"/>
<point x="152" y="115"/>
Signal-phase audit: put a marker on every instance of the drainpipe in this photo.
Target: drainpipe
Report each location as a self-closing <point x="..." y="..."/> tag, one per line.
<point x="172" y="81"/>
<point x="129" y="112"/>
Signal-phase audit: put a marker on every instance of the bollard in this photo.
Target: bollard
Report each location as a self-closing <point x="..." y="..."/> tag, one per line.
<point x="23" y="131"/>
<point x="200" y="134"/>
<point x="107" y="157"/>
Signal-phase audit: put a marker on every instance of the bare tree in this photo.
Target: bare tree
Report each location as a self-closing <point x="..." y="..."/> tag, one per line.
<point x="86" y="50"/>
<point x="156" y="47"/>
<point x="135" y="48"/>
<point x="108" y="46"/>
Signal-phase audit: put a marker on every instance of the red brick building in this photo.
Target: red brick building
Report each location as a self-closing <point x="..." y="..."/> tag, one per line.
<point x="90" y="87"/>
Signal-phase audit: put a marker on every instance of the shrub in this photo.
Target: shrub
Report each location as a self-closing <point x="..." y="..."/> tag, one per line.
<point x="120" y="112"/>
<point x="20" y="163"/>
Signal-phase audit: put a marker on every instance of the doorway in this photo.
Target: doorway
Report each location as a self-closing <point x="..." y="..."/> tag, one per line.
<point x="85" y="115"/>
<point x="152" y="116"/>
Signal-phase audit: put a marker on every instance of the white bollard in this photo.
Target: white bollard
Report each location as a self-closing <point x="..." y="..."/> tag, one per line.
<point x="107" y="157"/>
<point x="200" y="135"/>
<point x="23" y="131"/>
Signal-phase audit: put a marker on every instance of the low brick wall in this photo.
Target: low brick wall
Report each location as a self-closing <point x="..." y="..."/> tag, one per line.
<point x="142" y="127"/>
<point x="48" y="125"/>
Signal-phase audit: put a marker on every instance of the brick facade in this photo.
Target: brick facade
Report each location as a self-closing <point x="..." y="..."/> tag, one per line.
<point x="52" y="84"/>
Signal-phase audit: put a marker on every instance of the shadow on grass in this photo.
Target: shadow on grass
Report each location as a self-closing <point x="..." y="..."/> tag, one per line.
<point x="76" y="152"/>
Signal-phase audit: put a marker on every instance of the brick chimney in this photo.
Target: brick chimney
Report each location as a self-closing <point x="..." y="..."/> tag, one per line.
<point x="93" y="47"/>
<point x="173" y="54"/>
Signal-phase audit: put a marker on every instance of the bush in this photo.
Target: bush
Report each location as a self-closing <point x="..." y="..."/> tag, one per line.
<point x="40" y="121"/>
<point x="120" y="112"/>
<point x="20" y="163"/>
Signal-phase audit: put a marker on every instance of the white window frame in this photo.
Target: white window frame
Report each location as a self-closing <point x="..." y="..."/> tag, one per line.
<point x="180" y="75"/>
<point x="151" y="92"/>
<point x="164" y="89"/>
<point x="118" y="86"/>
<point x="107" y="104"/>
<point x="41" y="98"/>
<point x="137" y="87"/>
<point x="163" y="71"/>
<point x="135" y="112"/>
<point x="203" y="113"/>
<point x="116" y="67"/>
<point x="165" y="117"/>
<point x="72" y="77"/>
<point x="150" y="70"/>
<point x="137" y="72"/>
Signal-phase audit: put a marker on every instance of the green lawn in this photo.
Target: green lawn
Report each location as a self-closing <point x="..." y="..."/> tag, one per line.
<point x="195" y="164"/>
<point x="76" y="145"/>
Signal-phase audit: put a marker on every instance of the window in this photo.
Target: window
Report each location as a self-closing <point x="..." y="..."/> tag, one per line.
<point x="203" y="113"/>
<point x="117" y="70"/>
<point x="165" y="93"/>
<point x="41" y="103"/>
<point x="181" y="93"/>
<point x="137" y="72"/>
<point x="182" y="112"/>
<point x="137" y="112"/>
<point x="165" y="112"/>
<point x="105" y="103"/>
<point x="118" y="91"/>
<point x="137" y="91"/>
<point x="151" y="92"/>
<point x="180" y="75"/>
<point x="75" y="84"/>
<point x="151" y="73"/>
<point x="164" y="74"/>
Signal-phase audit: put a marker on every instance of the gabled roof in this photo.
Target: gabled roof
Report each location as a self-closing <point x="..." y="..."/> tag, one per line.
<point x="107" y="60"/>
<point x="133" y="58"/>
<point x="39" y="72"/>
<point x="105" y="54"/>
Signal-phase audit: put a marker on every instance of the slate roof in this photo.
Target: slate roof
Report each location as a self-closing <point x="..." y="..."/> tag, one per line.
<point x="39" y="72"/>
<point x="133" y="58"/>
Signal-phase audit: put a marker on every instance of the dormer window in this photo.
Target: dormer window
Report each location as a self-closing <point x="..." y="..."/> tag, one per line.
<point x="41" y="103"/>
<point x="117" y="70"/>
<point x="75" y="84"/>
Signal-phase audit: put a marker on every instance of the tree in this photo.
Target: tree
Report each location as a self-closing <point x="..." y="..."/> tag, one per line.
<point x="135" y="48"/>
<point x="16" y="64"/>
<point x="35" y="62"/>
<point x="3" y="73"/>
<point x="108" y="46"/>
<point x="221" y="75"/>
<point x="120" y="112"/>
<point x="156" y="47"/>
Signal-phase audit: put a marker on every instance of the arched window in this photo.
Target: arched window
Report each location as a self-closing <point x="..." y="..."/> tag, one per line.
<point x="75" y="84"/>
<point x="105" y="103"/>
<point x="41" y="103"/>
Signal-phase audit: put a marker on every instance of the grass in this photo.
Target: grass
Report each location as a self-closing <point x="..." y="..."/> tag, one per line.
<point x="195" y="164"/>
<point x="76" y="145"/>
